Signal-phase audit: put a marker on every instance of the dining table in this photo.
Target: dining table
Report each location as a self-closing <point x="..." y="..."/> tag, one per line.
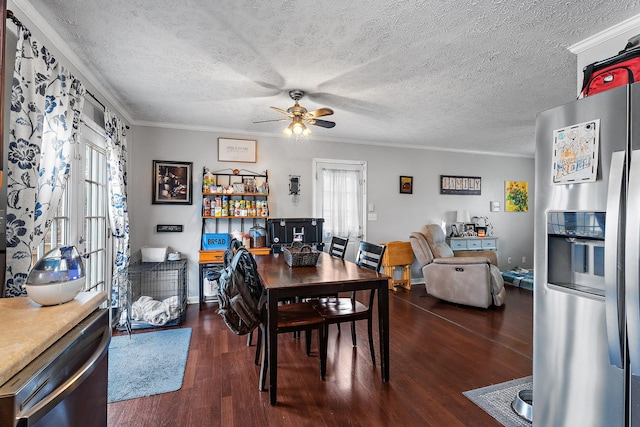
<point x="330" y="275"/>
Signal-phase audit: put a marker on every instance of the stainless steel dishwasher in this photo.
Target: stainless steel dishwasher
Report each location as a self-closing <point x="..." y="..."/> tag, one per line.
<point x="67" y="384"/>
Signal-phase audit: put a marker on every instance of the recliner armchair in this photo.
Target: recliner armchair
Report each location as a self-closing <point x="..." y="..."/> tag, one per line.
<point x="469" y="277"/>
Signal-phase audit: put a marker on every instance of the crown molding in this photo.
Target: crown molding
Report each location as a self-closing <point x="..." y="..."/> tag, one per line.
<point x="605" y="35"/>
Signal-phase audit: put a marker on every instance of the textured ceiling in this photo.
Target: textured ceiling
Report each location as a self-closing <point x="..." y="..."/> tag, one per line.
<point x="453" y="74"/>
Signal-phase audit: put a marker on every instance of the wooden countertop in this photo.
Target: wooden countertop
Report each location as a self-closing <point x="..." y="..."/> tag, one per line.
<point x="29" y="328"/>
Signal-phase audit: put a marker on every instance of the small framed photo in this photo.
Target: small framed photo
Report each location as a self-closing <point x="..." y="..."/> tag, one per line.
<point x="237" y="150"/>
<point x="406" y="185"/>
<point x="172" y="183"/>
<point x="470" y="228"/>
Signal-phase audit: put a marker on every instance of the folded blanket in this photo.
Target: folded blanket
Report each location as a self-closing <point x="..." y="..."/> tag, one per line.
<point x="156" y="313"/>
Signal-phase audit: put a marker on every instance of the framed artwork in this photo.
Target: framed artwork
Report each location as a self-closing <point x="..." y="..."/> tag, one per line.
<point x="172" y="183"/>
<point x="406" y="185"/>
<point x="237" y="150"/>
<point x="516" y="196"/>
<point x="465" y="185"/>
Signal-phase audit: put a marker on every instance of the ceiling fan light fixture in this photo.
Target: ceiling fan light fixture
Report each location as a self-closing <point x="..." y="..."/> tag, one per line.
<point x="298" y="128"/>
<point x="300" y="117"/>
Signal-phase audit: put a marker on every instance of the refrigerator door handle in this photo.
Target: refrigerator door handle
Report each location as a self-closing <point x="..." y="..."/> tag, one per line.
<point x="612" y="279"/>
<point x="631" y="268"/>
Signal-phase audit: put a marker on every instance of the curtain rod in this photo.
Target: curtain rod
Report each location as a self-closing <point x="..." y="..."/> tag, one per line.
<point x="13" y="18"/>
<point x="101" y="104"/>
<point x="96" y="99"/>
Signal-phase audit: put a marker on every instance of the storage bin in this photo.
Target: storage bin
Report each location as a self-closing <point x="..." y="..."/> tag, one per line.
<point x="215" y="241"/>
<point x="154" y="254"/>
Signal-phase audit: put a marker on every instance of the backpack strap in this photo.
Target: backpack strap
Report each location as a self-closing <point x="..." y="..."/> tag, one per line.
<point x="236" y="258"/>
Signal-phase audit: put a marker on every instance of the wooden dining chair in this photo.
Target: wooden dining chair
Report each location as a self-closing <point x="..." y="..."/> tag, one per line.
<point x="350" y="309"/>
<point x="293" y="317"/>
<point x="337" y="249"/>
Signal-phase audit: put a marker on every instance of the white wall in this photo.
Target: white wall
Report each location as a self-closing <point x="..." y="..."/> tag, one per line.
<point x="398" y="214"/>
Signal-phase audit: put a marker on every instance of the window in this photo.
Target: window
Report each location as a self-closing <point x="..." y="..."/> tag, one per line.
<point x="86" y="196"/>
<point x="95" y="216"/>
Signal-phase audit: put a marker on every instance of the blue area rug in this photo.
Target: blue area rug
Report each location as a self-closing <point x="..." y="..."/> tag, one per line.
<point x="148" y="363"/>
<point x="496" y="400"/>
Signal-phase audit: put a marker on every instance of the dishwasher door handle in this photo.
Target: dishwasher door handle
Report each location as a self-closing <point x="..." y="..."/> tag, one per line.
<point x="45" y="405"/>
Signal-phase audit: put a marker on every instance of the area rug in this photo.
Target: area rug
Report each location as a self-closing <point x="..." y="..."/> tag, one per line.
<point x="148" y="363"/>
<point x="496" y="400"/>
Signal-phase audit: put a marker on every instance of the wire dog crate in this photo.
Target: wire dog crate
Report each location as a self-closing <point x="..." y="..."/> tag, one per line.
<point x="158" y="294"/>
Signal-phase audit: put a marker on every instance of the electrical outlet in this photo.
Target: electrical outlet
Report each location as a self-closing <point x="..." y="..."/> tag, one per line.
<point x="509" y="260"/>
<point x="372" y="216"/>
<point x="524" y="259"/>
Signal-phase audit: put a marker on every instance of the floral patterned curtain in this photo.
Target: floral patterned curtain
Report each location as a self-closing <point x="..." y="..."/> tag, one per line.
<point x="118" y="211"/>
<point x="46" y="103"/>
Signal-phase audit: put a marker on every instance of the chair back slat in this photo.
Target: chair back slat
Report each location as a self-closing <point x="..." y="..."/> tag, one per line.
<point x="370" y="256"/>
<point x="338" y="247"/>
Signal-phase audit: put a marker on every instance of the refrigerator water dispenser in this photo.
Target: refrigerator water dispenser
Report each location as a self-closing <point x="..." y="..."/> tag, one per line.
<point x="576" y="251"/>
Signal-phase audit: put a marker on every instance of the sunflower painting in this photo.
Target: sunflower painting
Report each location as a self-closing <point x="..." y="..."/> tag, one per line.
<point x="516" y="196"/>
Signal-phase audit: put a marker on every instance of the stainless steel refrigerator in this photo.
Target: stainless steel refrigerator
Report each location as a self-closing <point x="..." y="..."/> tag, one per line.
<point x="586" y="357"/>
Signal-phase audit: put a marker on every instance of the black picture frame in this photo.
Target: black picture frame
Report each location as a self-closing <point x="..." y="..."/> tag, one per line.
<point x="172" y="183"/>
<point x="406" y="185"/>
<point x="462" y="185"/>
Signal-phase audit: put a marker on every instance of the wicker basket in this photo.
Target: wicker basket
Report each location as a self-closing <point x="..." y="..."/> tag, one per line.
<point x="301" y="256"/>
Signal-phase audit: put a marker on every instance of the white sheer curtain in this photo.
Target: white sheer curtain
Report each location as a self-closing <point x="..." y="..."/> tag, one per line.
<point x="342" y="202"/>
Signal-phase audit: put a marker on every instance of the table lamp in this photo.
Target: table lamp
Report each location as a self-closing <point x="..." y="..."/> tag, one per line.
<point x="462" y="216"/>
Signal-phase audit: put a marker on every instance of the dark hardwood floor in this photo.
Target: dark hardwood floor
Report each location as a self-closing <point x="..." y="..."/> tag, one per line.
<point x="438" y="350"/>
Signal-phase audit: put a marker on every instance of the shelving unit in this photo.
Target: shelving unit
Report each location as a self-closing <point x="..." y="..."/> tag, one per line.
<point x="232" y="200"/>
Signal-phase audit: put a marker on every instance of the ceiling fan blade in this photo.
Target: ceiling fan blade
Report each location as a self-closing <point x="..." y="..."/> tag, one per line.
<point x="319" y="113"/>
<point x="280" y="110"/>
<point x="274" y="120"/>
<point x="322" y="123"/>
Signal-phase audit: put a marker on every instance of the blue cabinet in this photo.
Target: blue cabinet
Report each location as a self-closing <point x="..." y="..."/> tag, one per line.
<point x="473" y="243"/>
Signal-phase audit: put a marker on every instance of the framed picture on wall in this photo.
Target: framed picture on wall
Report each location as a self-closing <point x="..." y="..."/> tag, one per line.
<point x="406" y="185"/>
<point x="172" y="183"/>
<point x="237" y="150"/>
<point x="463" y="185"/>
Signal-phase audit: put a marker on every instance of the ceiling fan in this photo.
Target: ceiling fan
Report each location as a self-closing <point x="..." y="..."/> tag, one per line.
<point x="299" y="116"/>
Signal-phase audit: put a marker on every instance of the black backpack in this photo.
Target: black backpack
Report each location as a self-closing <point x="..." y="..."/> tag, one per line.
<point x="241" y="296"/>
